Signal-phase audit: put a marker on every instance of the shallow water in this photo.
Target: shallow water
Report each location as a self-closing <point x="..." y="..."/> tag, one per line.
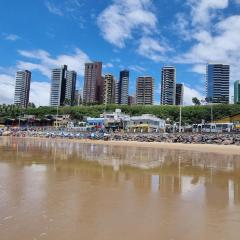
<point x="53" y="189"/>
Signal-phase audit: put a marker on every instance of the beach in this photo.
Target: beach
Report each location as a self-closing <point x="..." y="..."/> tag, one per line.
<point x="205" y="148"/>
<point x="53" y="188"/>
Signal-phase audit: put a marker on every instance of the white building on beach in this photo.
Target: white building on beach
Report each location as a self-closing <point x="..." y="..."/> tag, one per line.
<point x="146" y="123"/>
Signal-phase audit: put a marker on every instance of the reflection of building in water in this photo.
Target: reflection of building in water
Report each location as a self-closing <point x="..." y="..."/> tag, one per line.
<point x="217" y="187"/>
<point x="155" y="183"/>
<point x="236" y="186"/>
<point x="214" y="161"/>
<point x="170" y="184"/>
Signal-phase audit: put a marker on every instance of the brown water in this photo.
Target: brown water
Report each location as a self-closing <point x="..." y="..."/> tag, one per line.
<point x="65" y="190"/>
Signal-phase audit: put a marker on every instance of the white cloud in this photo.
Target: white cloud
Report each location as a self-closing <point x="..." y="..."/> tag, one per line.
<point x="190" y="93"/>
<point x="181" y="27"/>
<point x="199" y="68"/>
<point x="151" y="48"/>
<point x="108" y="65"/>
<point x="45" y="70"/>
<point x="67" y="8"/>
<point x="7" y="83"/>
<point x="52" y="8"/>
<point x="137" y="68"/>
<point x="42" y="61"/>
<point x="204" y="10"/>
<point x="40" y="93"/>
<point x="11" y="37"/>
<point x="45" y="62"/>
<point x="119" y="20"/>
<point x="221" y="46"/>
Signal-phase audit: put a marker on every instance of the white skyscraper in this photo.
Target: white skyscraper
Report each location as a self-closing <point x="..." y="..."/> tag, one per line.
<point x="63" y="86"/>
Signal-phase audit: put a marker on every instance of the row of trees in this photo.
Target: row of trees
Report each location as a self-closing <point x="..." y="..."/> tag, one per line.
<point x="190" y="114"/>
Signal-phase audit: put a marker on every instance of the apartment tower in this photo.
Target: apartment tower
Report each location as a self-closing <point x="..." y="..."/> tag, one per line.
<point x="168" y="86"/>
<point x="123" y="87"/>
<point x="109" y="89"/>
<point x="63" y="86"/>
<point x="93" y="83"/>
<point x="145" y="90"/>
<point x="22" y="88"/>
<point x="237" y="92"/>
<point x="217" y="83"/>
<point x="179" y="94"/>
<point x="71" y="87"/>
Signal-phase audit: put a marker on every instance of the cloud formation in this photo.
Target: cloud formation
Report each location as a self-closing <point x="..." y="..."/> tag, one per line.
<point x="7" y="83"/>
<point x="39" y="93"/>
<point x="203" y="11"/>
<point x="40" y="60"/>
<point x="152" y="49"/>
<point x="215" y="37"/>
<point x="190" y="93"/>
<point x="120" y="19"/>
<point x="52" y="8"/>
<point x="11" y="37"/>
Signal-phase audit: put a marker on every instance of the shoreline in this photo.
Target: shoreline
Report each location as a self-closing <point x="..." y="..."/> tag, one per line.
<point x="204" y="148"/>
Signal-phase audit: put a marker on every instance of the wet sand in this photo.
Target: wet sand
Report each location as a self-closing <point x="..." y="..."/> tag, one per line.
<point x="65" y="189"/>
<point x="207" y="148"/>
<point x="213" y="148"/>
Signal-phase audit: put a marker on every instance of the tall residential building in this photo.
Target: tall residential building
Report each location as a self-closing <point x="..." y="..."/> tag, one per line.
<point x="131" y="100"/>
<point x="22" y="88"/>
<point x="123" y="87"/>
<point x="109" y="89"/>
<point x="71" y="87"/>
<point x="93" y="83"/>
<point x="179" y="94"/>
<point x="217" y="83"/>
<point x="116" y="92"/>
<point x="63" y="86"/>
<point x="145" y="90"/>
<point x="168" y="86"/>
<point x="237" y="92"/>
<point x="58" y="86"/>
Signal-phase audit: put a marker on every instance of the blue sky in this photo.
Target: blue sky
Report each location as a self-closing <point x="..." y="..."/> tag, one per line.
<point x="141" y="35"/>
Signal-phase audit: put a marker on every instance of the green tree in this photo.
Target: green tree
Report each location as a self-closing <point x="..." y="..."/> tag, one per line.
<point x="196" y="101"/>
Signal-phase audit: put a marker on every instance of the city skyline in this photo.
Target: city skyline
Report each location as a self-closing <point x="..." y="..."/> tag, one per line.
<point x="140" y="35"/>
<point x="106" y="89"/>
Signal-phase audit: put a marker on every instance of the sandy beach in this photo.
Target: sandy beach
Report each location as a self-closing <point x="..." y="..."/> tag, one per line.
<point x="174" y="146"/>
<point x="211" y="148"/>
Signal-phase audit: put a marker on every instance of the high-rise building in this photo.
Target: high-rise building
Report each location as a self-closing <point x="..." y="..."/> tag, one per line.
<point x="145" y="90"/>
<point x="116" y="92"/>
<point x="123" y="87"/>
<point x="22" y="88"/>
<point x="179" y="94"/>
<point x="93" y="83"/>
<point x="237" y="92"/>
<point x="217" y="83"/>
<point x="168" y="86"/>
<point x="131" y="100"/>
<point x="71" y="80"/>
<point x="58" y="86"/>
<point x="109" y="89"/>
<point x="63" y="86"/>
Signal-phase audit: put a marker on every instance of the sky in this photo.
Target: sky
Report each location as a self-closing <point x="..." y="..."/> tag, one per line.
<point x="140" y="35"/>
